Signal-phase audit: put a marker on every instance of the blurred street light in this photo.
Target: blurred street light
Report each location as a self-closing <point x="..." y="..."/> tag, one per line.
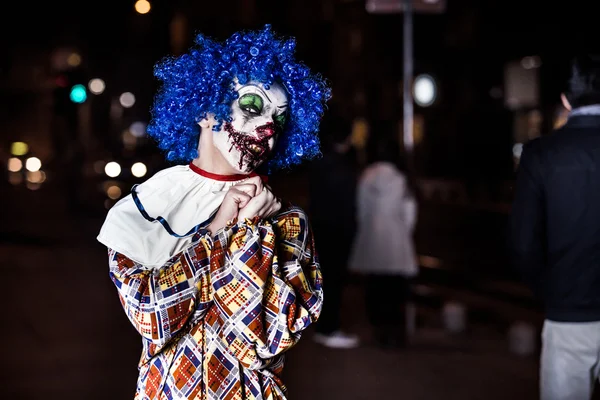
<point x="19" y="148"/>
<point x="127" y="99"/>
<point x="424" y="90"/>
<point x="112" y="169"/>
<point x="138" y="129"/>
<point x="78" y="94"/>
<point x="142" y="6"/>
<point x="15" y="164"/>
<point x="74" y="60"/>
<point x="36" y="176"/>
<point x="33" y="164"/>
<point x="97" y="86"/>
<point x="113" y="192"/>
<point x="138" y="169"/>
<point x="407" y="8"/>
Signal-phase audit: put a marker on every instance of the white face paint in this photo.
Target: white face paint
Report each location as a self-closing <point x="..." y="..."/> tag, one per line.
<point x="259" y="115"/>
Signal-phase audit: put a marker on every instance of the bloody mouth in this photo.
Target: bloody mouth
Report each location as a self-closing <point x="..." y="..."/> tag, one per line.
<point x="254" y="150"/>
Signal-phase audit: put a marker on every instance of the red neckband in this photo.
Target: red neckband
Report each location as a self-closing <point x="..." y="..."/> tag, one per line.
<point x="225" y="178"/>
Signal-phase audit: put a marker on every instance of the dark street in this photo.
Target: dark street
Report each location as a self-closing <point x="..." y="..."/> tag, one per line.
<point x="67" y="337"/>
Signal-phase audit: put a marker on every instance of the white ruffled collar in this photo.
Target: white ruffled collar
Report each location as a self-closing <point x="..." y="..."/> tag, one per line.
<point x="184" y="197"/>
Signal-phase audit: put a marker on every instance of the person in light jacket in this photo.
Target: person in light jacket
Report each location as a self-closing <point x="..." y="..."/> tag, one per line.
<point x="383" y="248"/>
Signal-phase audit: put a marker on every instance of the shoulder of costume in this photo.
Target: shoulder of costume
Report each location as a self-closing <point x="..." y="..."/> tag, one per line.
<point x="164" y="178"/>
<point x="125" y="215"/>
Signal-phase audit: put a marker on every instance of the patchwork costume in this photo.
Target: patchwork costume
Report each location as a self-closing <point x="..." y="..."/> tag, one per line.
<point x="217" y="311"/>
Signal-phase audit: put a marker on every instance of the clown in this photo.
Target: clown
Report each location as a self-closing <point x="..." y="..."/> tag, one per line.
<point x="215" y="274"/>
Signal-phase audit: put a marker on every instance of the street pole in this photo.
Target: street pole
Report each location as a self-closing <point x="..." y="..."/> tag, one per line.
<point x="408" y="76"/>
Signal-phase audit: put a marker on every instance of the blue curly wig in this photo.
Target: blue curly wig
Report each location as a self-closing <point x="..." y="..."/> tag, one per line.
<point x="202" y="81"/>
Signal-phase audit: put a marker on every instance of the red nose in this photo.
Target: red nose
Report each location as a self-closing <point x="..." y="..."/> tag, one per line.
<point x="266" y="131"/>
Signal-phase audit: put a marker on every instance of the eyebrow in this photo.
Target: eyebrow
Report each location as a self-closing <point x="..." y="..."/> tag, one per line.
<point x="283" y="106"/>
<point x="262" y="91"/>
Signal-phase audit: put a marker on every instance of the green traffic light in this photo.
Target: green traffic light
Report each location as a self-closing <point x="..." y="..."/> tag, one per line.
<point x="78" y="94"/>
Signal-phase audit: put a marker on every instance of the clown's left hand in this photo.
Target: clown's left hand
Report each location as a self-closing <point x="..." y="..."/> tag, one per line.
<point x="263" y="205"/>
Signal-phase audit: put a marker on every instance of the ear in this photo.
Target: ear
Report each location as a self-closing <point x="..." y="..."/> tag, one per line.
<point x="208" y="122"/>
<point x="204" y="123"/>
<point x="565" y="102"/>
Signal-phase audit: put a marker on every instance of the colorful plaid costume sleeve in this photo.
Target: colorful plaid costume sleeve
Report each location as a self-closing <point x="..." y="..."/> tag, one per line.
<point x="160" y="302"/>
<point x="216" y="318"/>
<point x="265" y="300"/>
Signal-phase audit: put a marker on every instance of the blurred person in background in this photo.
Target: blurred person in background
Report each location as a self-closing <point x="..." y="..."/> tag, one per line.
<point x="218" y="277"/>
<point x="332" y="210"/>
<point x="384" y="250"/>
<point x="555" y="237"/>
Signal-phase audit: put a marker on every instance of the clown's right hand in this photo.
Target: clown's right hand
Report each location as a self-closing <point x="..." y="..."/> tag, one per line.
<point x="235" y="199"/>
<point x="263" y="205"/>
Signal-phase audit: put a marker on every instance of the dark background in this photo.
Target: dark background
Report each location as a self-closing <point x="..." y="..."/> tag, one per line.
<point x="63" y="331"/>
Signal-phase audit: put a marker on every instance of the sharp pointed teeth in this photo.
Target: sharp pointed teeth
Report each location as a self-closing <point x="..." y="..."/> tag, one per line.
<point x="255" y="148"/>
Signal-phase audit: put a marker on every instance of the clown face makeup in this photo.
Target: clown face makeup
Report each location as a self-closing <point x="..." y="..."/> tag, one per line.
<point x="258" y="117"/>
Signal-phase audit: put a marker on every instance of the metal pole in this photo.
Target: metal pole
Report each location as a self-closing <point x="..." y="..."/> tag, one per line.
<point x="408" y="76"/>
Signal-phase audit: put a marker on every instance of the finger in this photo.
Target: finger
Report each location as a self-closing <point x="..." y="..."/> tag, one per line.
<point x="255" y="180"/>
<point x="259" y="185"/>
<point x="270" y="206"/>
<point x="270" y="211"/>
<point x="268" y="191"/>
<point x="240" y="197"/>
<point x="248" y="188"/>
<point x="243" y="202"/>
<point x="254" y="207"/>
<point x="263" y="212"/>
<point x="261" y="202"/>
<point x="275" y="207"/>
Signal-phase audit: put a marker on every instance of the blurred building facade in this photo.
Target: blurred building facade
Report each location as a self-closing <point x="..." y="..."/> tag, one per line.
<point x="468" y="133"/>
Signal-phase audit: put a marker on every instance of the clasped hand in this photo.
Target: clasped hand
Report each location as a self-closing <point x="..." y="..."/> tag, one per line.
<point x="247" y="199"/>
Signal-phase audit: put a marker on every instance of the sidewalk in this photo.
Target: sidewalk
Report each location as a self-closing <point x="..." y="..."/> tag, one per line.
<point x="475" y="365"/>
<point x="69" y="339"/>
<point x="435" y="367"/>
